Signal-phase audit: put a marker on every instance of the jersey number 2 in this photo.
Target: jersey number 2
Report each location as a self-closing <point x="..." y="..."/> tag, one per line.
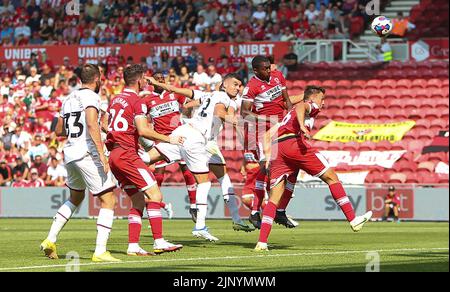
<point x="202" y="113"/>
<point x="76" y="124"/>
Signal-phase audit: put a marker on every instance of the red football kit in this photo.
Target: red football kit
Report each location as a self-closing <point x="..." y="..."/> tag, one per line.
<point x="294" y="152"/>
<point x="122" y="142"/>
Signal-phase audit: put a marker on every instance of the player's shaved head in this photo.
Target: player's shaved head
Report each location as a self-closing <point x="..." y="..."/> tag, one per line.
<point x="259" y="61"/>
<point x="89" y="74"/>
<point x="231" y="84"/>
<point x="132" y="74"/>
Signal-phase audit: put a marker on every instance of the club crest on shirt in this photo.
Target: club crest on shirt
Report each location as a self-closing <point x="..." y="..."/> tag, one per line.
<point x="362" y="132"/>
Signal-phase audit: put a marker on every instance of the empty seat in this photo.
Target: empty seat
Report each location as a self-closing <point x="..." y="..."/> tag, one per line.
<point x="388" y="83"/>
<point x="329" y="84"/>
<point x="403" y="84"/>
<point x="373" y="84"/>
<point x="398" y="178"/>
<point x="358" y="84"/>
<point x="419" y="84"/>
<point x="343" y="84"/>
<point x="434" y="83"/>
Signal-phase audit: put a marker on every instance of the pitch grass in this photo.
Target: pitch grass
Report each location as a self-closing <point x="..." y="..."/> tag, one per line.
<point x="314" y="246"/>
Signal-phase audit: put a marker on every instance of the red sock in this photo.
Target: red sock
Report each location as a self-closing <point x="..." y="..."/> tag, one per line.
<point x="191" y="185"/>
<point x="259" y="191"/>
<point x="155" y="218"/>
<point x="339" y="195"/>
<point x="267" y="221"/>
<point x="162" y="204"/>
<point x="287" y="196"/>
<point x="134" y="225"/>
<point x="159" y="178"/>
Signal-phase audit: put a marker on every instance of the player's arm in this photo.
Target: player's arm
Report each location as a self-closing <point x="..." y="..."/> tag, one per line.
<point x="182" y="91"/>
<point x="287" y="99"/>
<point x="94" y="132"/>
<point x="192" y="104"/>
<point x="246" y="112"/>
<point x="144" y="130"/>
<point x="267" y="142"/>
<point x="301" y="109"/>
<point x="104" y="122"/>
<point x="60" y="129"/>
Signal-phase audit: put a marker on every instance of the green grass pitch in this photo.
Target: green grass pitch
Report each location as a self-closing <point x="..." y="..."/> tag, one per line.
<point x="313" y="246"/>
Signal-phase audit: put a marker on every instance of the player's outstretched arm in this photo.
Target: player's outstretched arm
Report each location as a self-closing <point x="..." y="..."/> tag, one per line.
<point x="94" y="132"/>
<point x="301" y="109"/>
<point x="247" y="114"/>
<point x="145" y="131"/>
<point x="192" y="104"/>
<point x="182" y="91"/>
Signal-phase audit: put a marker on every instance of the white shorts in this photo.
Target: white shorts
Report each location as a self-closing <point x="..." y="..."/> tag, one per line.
<point x="193" y="151"/>
<point x="88" y="172"/>
<point x="214" y="153"/>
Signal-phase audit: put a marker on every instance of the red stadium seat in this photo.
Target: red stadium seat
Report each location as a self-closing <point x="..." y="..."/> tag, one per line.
<point x="427" y="134"/>
<point x="412" y="178"/>
<point x="373" y="84"/>
<point x="427" y="165"/>
<point x="329" y="84"/>
<point x="315" y="83"/>
<point x="404" y="166"/>
<point x="343" y="84"/>
<point x="350" y="105"/>
<point x="398" y="146"/>
<point x="299" y="84"/>
<point x="388" y="83"/>
<point x="441" y="104"/>
<point x="398" y="178"/>
<point x="370" y="104"/>
<point x="401" y="115"/>
<point x="383" y="146"/>
<point x="432" y="114"/>
<point x="394" y="104"/>
<point x="410" y="104"/>
<point x="351" y="146"/>
<point x="404" y="84"/>
<point x="358" y="84"/>
<point x="415" y="146"/>
<point x="438" y="125"/>
<point x="419" y="84"/>
<point x="434" y="83"/>
<point x="367" y="146"/>
<point x="422" y="124"/>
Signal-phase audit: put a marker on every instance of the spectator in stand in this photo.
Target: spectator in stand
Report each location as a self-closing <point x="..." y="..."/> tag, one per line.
<point x="184" y="76"/>
<point x="225" y="67"/>
<point x="215" y="79"/>
<point x="21" y="139"/>
<point x="21" y="167"/>
<point x="5" y="173"/>
<point x="40" y="166"/>
<point x="87" y="39"/>
<point x="34" y="180"/>
<point x="290" y="60"/>
<point x="287" y="35"/>
<point x="153" y="58"/>
<point x="19" y="181"/>
<point x="401" y="25"/>
<point x="312" y="13"/>
<point x="259" y="14"/>
<point x="201" y="25"/>
<point x="38" y="148"/>
<point x="201" y="79"/>
<point x="22" y="29"/>
<point x="391" y="205"/>
<point x="56" y="174"/>
<point x="209" y="14"/>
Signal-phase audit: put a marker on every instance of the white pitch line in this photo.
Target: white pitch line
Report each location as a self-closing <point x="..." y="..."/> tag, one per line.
<point x="226" y="258"/>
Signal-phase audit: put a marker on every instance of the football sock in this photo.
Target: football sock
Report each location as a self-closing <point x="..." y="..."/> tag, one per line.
<point x="287" y="196"/>
<point x="228" y="189"/>
<point x="62" y="216"/>
<point x="339" y="195"/>
<point x="104" y="226"/>
<point x="191" y="186"/>
<point x="155" y="218"/>
<point x="134" y="226"/>
<point x="202" y="204"/>
<point x="267" y="221"/>
<point x="260" y="191"/>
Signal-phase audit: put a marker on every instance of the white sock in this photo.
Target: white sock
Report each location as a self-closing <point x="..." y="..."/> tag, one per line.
<point x="62" y="216"/>
<point x="254" y="212"/>
<point x="159" y="241"/>
<point x="193" y="206"/>
<point x="202" y="204"/>
<point x="104" y="225"/>
<point x="228" y="189"/>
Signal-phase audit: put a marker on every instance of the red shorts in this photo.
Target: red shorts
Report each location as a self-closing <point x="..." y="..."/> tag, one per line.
<point x="131" y="172"/>
<point x="289" y="156"/>
<point x="249" y="187"/>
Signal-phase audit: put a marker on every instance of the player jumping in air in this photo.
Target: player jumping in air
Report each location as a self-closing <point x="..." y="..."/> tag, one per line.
<point x="85" y="162"/>
<point x="264" y="103"/>
<point x="127" y="122"/>
<point x="215" y="108"/>
<point x="293" y="153"/>
<point x="164" y="111"/>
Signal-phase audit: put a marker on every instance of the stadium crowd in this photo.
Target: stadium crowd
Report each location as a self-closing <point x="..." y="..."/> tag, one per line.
<point x="181" y="21"/>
